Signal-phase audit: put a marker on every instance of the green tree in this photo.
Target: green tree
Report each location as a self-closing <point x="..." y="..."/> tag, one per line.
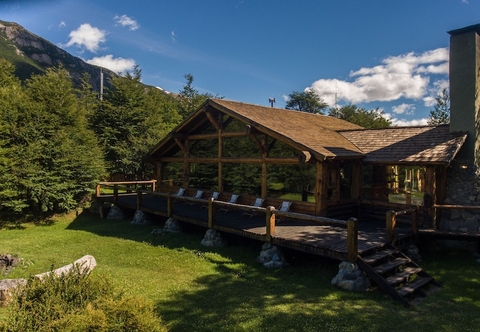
<point x="307" y="101"/>
<point x="52" y="159"/>
<point x="190" y="98"/>
<point x="130" y="120"/>
<point x="361" y="116"/>
<point x="441" y="112"/>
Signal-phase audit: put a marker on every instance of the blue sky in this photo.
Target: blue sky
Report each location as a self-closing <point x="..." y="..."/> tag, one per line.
<point x="373" y="53"/>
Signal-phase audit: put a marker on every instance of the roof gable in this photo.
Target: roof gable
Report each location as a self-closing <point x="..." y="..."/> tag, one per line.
<point x="303" y="131"/>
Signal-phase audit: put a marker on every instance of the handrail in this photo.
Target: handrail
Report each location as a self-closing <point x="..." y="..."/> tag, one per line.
<point x="462" y="207"/>
<point x="391" y="222"/>
<point x="270" y="213"/>
<point x="116" y="184"/>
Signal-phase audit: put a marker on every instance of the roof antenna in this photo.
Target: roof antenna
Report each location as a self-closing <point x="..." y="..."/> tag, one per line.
<point x="271" y="101"/>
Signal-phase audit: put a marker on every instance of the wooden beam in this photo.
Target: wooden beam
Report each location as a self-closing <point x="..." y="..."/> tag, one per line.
<point x="181" y="144"/>
<point x="304" y="157"/>
<point x="215" y="122"/>
<point x="211" y="160"/>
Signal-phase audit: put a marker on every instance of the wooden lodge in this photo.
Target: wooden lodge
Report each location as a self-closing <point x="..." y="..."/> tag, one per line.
<point x="338" y="169"/>
<point x="341" y="179"/>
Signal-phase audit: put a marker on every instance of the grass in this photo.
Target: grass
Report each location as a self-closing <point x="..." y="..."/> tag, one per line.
<point x="223" y="289"/>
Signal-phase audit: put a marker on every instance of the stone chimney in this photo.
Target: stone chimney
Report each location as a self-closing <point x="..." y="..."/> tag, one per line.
<point x="465" y="89"/>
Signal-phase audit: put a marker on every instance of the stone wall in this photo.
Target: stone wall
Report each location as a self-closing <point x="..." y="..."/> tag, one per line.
<point x="463" y="188"/>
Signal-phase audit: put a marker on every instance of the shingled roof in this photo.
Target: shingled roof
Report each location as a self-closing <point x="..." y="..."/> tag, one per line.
<point x="327" y="137"/>
<point x="304" y="131"/>
<point x="317" y="133"/>
<point x="408" y="145"/>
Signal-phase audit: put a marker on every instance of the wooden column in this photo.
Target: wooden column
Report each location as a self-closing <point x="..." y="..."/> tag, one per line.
<point x="264" y="178"/>
<point x="169" y="205"/>
<point x="219" y="163"/>
<point x="352" y="240"/>
<point x="391" y="222"/>
<point x="270" y="223"/>
<point x="321" y="188"/>
<point x="186" y="166"/>
<point x="211" y="212"/>
<point x="356" y="180"/>
<point x="430" y="189"/>
<point x="139" y="199"/>
<point x="159" y="171"/>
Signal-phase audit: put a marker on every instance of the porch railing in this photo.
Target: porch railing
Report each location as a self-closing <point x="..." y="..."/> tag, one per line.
<point x="270" y="216"/>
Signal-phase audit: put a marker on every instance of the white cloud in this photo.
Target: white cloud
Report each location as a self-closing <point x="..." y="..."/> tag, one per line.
<point x="117" y="65"/>
<point x="173" y="37"/>
<point x="409" y="123"/>
<point x="62" y="24"/>
<point x="87" y="36"/>
<point x="403" y="76"/>
<point x="126" y="21"/>
<point x="404" y="109"/>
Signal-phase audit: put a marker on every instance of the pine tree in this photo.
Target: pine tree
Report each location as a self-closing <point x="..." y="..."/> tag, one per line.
<point x="441" y="113"/>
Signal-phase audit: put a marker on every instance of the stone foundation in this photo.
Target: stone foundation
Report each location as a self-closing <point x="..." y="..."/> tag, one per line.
<point x="141" y="218"/>
<point x="351" y="278"/>
<point x="171" y="226"/>
<point x="271" y="256"/>
<point x="115" y="213"/>
<point x="213" y="239"/>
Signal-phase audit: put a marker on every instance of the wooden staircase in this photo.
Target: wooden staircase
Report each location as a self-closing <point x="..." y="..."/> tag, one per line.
<point x="396" y="274"/>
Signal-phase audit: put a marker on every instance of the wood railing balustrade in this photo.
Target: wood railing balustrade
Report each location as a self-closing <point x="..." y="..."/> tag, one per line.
<point x="270" y="212"/>
<point x="128" y="187"/>
<point x="391" y="222"/>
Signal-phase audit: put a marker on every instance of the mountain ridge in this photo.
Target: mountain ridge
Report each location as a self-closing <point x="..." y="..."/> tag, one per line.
<point x="32" y="54"/>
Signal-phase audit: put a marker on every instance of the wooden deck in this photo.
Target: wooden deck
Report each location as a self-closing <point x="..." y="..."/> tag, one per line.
<point x="308" y="236"/>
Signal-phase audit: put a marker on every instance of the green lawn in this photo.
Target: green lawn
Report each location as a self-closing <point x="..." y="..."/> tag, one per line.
<point x="200" y="289"/>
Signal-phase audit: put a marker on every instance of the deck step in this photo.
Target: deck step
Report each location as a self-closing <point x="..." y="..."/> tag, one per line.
<point x="381" y="269"/>
<point x="394" y="273"/>
<point x="403" y="275"/>
<point x="378" y="256"/>
<point x="414" y="285"/>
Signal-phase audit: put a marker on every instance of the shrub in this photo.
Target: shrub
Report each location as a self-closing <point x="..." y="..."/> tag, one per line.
<point x="77" y="301"/>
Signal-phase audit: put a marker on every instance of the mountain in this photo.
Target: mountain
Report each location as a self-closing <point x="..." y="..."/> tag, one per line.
<point x="32" y="54"/>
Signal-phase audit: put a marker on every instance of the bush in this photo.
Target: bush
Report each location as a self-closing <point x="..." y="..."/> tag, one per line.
<point x="77" y="301"/>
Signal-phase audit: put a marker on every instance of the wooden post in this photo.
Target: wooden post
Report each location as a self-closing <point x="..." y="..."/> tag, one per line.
<point x="154" y="183"/>
<point x="97" y="191"/>
<point x="139" y="199"/>
<point x="391" y="223"/>
<point x="356" y="180"/>
<point x="270" y="221"/>
<point x="352" y="240"/>
<point x="211" y="212"/>
<point x="263" y="193"/>
<point x="321" y="189"/>
<point x="430" y="188"/>
<point x="415" y="224"/>
<point x="408" y="195"/>
<point x="169" y="205"/>
<point x="159" y="171"/>
<point x="115" y="193"/>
